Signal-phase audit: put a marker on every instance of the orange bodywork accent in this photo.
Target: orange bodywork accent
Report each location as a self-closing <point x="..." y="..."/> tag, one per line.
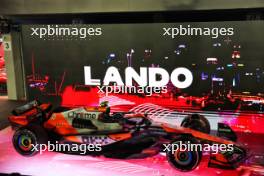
<point x="44" y="106"/>
<point x="23" y="119"/>
<point x="149" y="151"/>
<point x="97" y="109"/>
<point x="120" y="136"/>
<point x="220" y="157"/>
<point x="135" y="116"/>
<point x="18" y="120"/>
<point x="219" y="163"/>
<point x="220" y="160"/>
<point x="197" y="134"/>
<point x="73" y="139"/>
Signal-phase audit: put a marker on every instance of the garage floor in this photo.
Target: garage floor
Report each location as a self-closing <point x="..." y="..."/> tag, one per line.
<point x="6" y="107"/>
<point x="49" y="163"/>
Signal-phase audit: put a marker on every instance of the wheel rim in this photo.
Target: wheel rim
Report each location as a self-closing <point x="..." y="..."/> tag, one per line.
<point x="25" y="142"/>
<point x="183" y="157"/>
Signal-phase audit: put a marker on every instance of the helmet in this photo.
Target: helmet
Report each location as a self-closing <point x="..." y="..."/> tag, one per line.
<point x="104" y="104"/>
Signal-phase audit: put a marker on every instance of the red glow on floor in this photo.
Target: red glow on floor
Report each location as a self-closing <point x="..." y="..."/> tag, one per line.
<point x="58" y="164"/>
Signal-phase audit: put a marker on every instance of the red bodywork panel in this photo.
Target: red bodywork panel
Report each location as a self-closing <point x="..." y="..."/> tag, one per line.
<point x="25" y="118"/>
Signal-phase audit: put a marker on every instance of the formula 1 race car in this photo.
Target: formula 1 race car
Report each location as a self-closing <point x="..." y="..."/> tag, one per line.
<point x="121" y="135"/>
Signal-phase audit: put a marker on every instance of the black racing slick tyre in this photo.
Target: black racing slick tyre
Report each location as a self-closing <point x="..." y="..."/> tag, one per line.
<point x="184" y="159"/>
<point x="197" y="122"/>
<point x="27" y="140"/>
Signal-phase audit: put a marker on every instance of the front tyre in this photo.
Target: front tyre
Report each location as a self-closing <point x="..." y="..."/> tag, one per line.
<point x="184" y="160"/>
<point x="26" y="137"/>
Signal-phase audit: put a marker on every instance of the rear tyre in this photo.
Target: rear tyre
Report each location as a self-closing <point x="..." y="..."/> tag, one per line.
<point x="197" y="122"/>
<point x="26" y="137"/>
<point x="184" y="160"/>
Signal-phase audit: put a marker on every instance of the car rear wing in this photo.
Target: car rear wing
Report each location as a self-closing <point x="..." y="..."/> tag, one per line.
<point x="27" y="107"/>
